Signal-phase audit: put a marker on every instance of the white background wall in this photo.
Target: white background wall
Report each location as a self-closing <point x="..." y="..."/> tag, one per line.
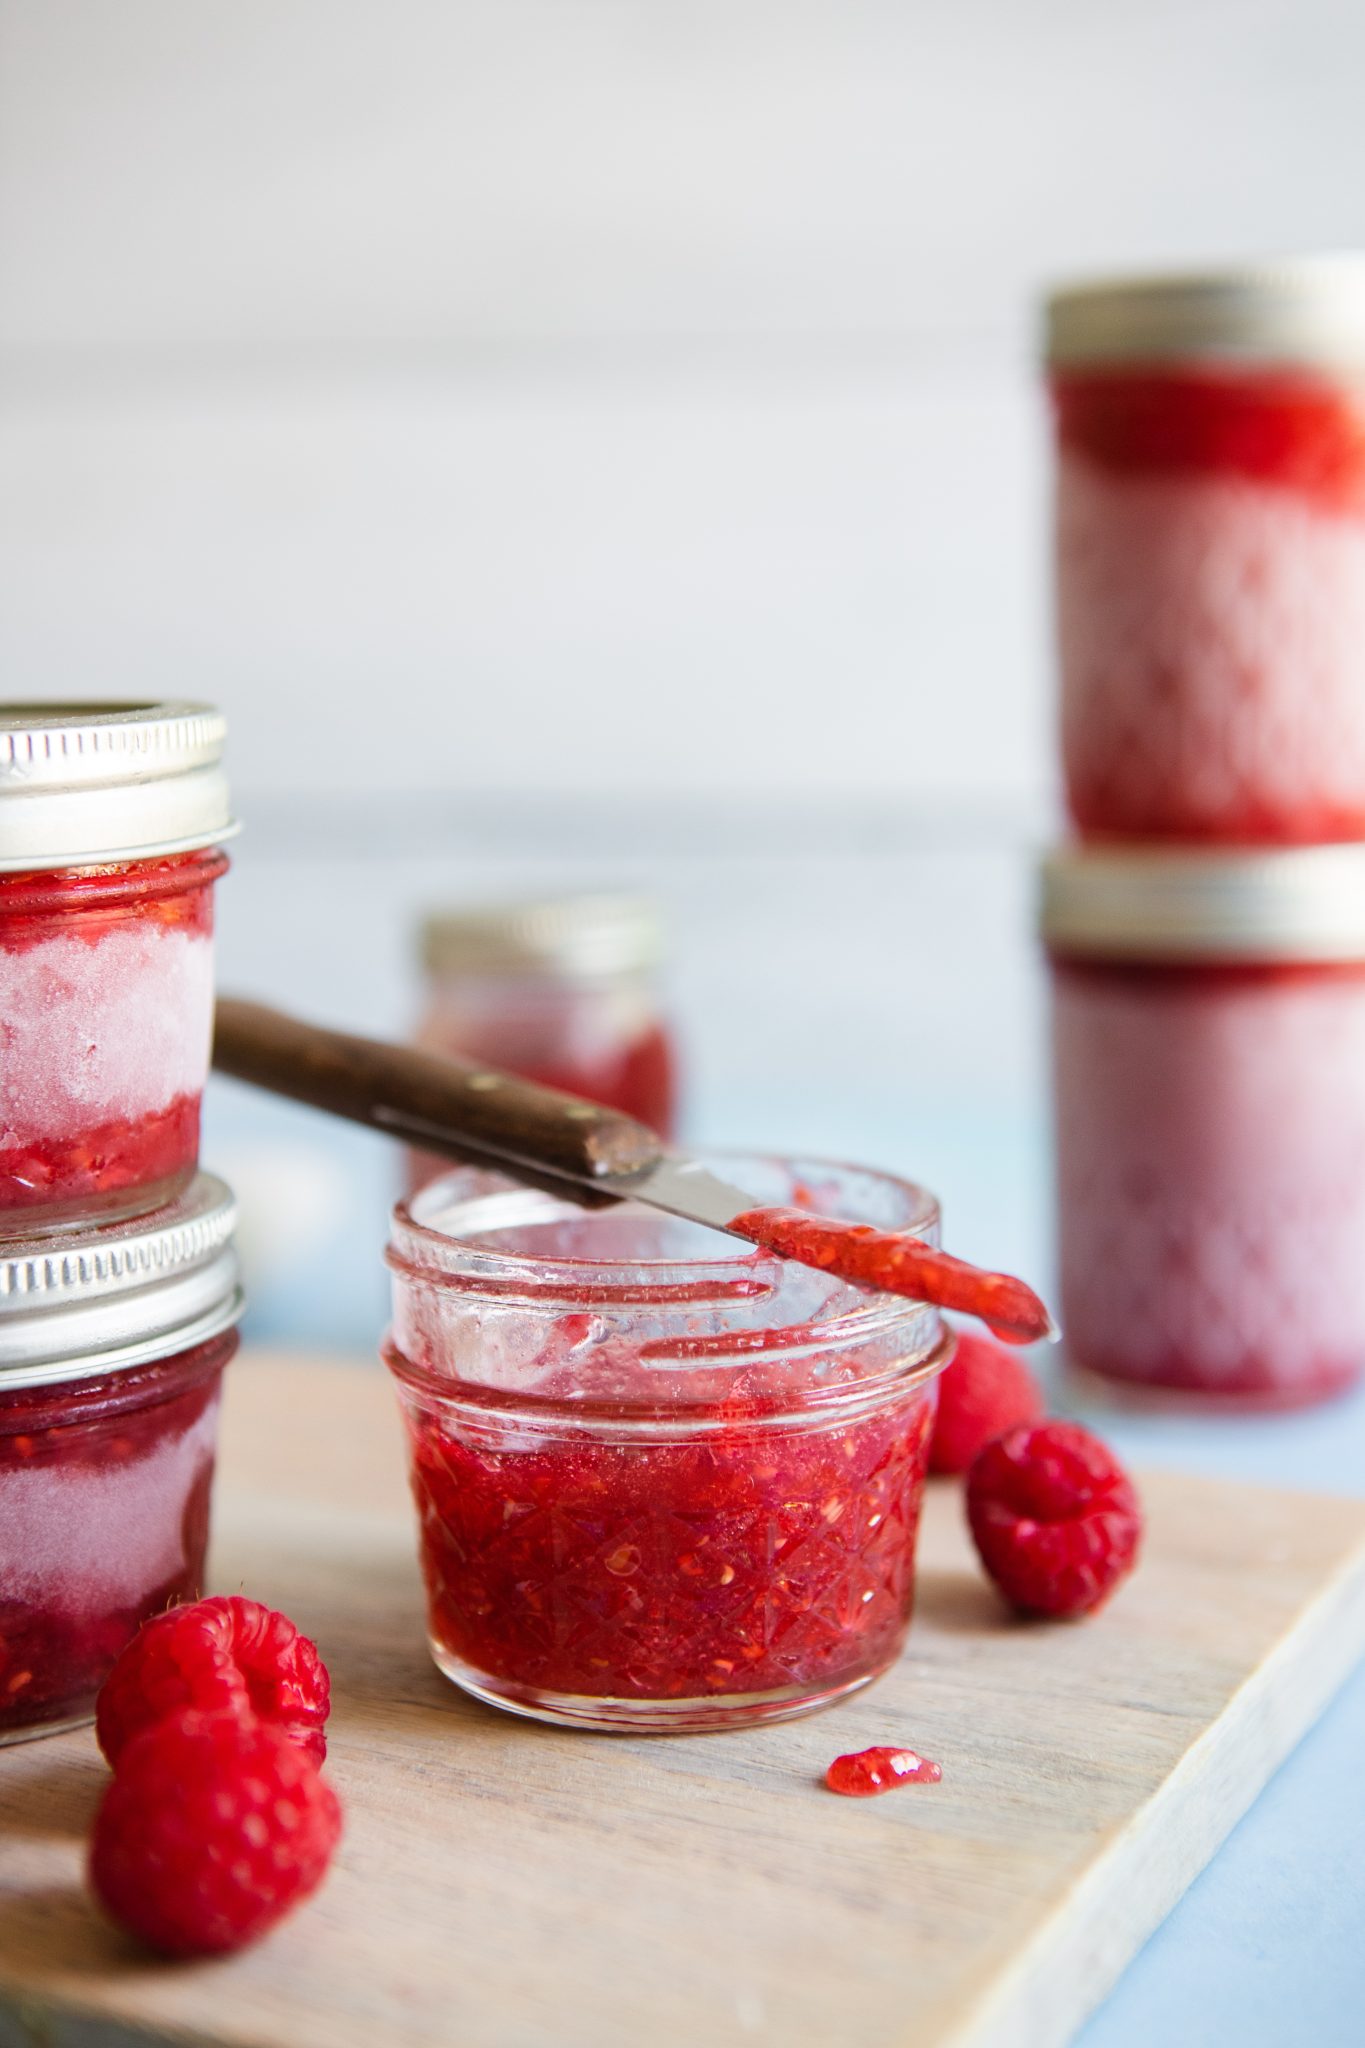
<point x="563" y="394"/>
<point x="580" y="438"/>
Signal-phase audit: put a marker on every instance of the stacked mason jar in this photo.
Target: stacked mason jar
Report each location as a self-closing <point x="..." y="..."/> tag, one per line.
<point x="1206" y="925"/>
<point x="118" y="1283"/>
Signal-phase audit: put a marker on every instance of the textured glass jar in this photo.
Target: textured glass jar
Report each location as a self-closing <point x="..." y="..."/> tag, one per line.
<point x="1209" y="1043"/>
<point x="110" y="818"/>
<point x="1210" y="552"/>
<point x="565" y="993"/>
<point x="663" y="1481"/>
<point x="112" y="1349"/>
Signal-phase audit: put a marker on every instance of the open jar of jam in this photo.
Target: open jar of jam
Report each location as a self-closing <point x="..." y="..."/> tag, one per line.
<point x="111" y="818"/>
<point x="112" y="1348"/>
<point x="1209" y="1035"/>
<point x="1210" y="552"/>
<point x="564" y="992"/>
<point x="663" y="1481"/>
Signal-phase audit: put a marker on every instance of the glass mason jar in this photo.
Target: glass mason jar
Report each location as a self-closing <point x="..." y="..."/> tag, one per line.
<point x="1210" y="552"/>
<point x="112" y="1348"/>
<point x="1209" y="1089"/>
<point x="565" y="993"/>
<point x="663" y="1481"/>
<point x="110" y="819"/>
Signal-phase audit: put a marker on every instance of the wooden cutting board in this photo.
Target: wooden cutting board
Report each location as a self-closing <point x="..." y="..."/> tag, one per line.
<point x="504" y="1885"/>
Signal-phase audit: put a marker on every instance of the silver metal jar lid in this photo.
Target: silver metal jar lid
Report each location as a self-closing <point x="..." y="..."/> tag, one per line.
<point x="86" y="783"/>
<point x="1305" y="903"/>
<point x="96" y="1300"/>
<point x="582" y="938"/>
<point x="1307" y="309"/>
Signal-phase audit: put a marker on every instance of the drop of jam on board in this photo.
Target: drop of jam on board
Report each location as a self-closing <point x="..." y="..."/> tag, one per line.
<point x="896" y="1263"/>
<point x="869" y="1771"/>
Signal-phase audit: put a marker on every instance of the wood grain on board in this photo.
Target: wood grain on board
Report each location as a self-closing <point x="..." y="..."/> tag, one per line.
<point x="505" y="1885"/>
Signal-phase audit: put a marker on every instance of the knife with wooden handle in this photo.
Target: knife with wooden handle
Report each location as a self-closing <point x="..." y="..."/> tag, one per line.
<point x="468" y="1111"/>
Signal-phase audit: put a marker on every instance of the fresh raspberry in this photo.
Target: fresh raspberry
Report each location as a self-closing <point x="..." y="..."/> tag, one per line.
<point x="213" y="1827"/>
<point x="985" y="1391"/>
<point x="1054" y="1516"/>
<point x="216" y="1653"/>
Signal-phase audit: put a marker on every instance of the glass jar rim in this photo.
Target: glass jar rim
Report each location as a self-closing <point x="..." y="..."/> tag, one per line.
<point x="421" y="1252"/>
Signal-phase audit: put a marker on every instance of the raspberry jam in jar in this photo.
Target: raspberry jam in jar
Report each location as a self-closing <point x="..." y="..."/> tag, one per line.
<point x="112" y="1348"/>
<point x="564" y="993"/>
<point x="110" y="817"/>
<point x="1210" y="552"/>
<point x="1209" y="1036"/>
<point x="663" y="1481"/>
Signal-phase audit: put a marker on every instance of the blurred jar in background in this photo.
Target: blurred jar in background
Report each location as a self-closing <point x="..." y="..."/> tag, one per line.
<point x="1210" y="551"/>
<point x="1209" y="1037"/>
<point x="563" y="992"/>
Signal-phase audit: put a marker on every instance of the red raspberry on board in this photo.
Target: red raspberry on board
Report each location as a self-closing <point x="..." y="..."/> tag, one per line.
<point x="213" y="1827"/>
<point x="1054" y="1517"/>
<point x="985" y="1391"/>
<point x="223" y="1652"/>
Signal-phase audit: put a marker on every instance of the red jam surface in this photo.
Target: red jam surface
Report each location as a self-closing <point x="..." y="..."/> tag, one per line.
<point x="106" y="991"/>
<point x="1211" y="1177"/>
<point x="869" y="1771"/>
<point x="104" y="1512"/>
<point x="750" y="1562"/>
<point x="895" y="1263"/>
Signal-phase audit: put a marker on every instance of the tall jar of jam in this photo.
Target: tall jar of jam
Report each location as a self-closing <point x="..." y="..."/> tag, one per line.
<point x="113" y="1342"/>
<point x="565" y="992"/>
<point x="1209" y="1033"/>
<point x="663" y="1481"/>
<point x="111" y="820"/>
<point x="1210" y="552"/>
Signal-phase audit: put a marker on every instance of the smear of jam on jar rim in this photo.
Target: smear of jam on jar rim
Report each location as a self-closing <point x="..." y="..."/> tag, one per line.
<point x="865" y="1772"/>
<point x="895" y="1263"/>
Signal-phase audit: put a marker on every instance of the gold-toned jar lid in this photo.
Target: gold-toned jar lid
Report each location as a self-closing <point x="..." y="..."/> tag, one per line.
<point x="102" y="1297"/>
<point x="1128" y="902"/>
<point x="84" y="783"/>
<point x="581" y="938"/>
<point x="1305" y="309"/>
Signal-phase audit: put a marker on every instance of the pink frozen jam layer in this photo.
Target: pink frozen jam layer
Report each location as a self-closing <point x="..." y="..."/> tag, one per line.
<point x="1210" y="630"/>
<point x="1211" y="1173"/>
<point x="106" y="995"/>
<point x="104" y="1505"/>
<point x="747" y="1562"/>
